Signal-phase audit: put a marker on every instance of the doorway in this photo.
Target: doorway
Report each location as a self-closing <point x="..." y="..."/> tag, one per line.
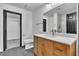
<point x="71" y="23"/>
<point x="5" y="27"/>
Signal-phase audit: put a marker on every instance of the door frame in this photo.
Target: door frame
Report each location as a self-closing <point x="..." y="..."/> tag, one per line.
<point x="5" y="27"/>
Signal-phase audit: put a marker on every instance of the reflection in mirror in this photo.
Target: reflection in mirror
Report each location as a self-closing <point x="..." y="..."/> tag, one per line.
<point x="57" y="18"/>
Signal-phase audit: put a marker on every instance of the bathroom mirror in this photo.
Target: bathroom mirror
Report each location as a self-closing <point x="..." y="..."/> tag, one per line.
<point x="63" y="18"/>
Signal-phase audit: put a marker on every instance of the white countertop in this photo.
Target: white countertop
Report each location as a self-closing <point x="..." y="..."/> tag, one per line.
<point x="57" y="38"/>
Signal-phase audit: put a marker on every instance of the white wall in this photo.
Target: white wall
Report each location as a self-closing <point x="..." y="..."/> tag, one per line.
<point x="63" y="23"/>
<point x="50" y="24"/>
<point x="59" y="21"/>
<point x="26" y="21"/>
<point x="55" y="18"/>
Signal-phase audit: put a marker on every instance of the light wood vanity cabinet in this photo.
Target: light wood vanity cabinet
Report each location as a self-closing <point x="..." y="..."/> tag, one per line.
<point x="46" y="47"/>
<point x="60" y="49"/>
<point x="35" y="45"/>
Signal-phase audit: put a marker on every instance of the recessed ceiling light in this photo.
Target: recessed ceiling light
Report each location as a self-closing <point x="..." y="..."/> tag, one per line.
<point x="48" y="4"/>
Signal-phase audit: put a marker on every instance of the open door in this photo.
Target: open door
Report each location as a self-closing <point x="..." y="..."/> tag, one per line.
<point x="71" y="23"/>
<point x="5" y="28"/>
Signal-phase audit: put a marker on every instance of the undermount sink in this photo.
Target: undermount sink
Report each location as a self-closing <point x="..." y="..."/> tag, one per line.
<point x="48" y="35"/>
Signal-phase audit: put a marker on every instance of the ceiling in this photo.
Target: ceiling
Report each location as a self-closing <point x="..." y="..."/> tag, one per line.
<point x="63" y="9"/>
<point x="28" y="6"/>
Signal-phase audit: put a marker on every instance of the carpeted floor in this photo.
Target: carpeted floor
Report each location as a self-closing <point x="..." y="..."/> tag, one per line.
<point x="19" y="51"/>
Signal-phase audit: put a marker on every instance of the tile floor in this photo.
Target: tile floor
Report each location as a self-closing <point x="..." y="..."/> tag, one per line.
<point x="18" y="51"/>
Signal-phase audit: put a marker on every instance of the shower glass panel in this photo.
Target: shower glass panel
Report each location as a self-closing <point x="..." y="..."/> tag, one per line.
<point x="13" y="30"/>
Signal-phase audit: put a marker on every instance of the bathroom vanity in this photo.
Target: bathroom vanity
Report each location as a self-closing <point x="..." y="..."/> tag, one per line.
<point x="49" y="45"/>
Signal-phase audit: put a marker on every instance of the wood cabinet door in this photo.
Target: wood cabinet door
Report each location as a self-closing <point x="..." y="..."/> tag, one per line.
<point x="60" y="49"/>
<point x="71" y="50"/>
<point x="45" y="47"/>
<point x="48" y="48"/>
<point x="40" y="46"/>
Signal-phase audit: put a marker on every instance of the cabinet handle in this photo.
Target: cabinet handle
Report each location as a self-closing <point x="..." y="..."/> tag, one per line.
<point x="59" y="49"/>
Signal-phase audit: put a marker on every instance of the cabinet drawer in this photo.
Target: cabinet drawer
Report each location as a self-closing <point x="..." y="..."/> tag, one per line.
<point x="40" y="41"/>
<point x="60" y="49"/>
<point x="48" y="45"/>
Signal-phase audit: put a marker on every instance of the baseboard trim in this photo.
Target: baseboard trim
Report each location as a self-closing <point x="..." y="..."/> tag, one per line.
<point x="1" y="51"/>
<point x="23" y="46"/>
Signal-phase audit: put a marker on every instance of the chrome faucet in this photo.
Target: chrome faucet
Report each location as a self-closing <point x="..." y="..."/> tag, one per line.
<point x="53" y="32"/>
